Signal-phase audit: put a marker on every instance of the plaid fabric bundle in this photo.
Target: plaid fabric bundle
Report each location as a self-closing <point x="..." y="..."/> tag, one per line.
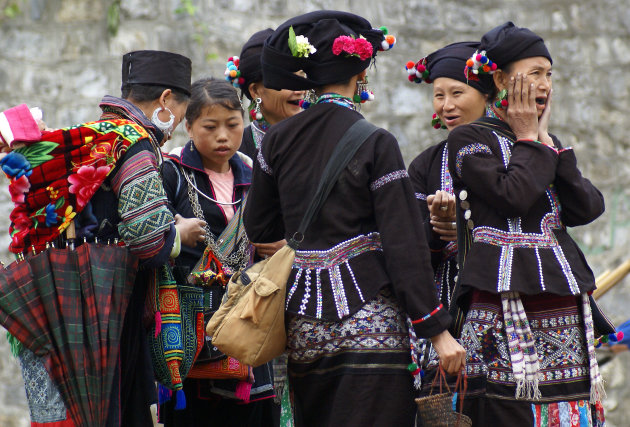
<point x="52" y="180"/>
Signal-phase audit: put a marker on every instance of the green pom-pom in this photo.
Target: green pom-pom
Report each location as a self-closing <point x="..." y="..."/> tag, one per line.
<point x="412" y="367"/>
<point x="384" y="30"/>
<point x="356" y="98"/>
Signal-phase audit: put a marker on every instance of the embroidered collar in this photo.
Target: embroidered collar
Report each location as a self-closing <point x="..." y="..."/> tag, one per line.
<point x="335" y="98"/>
<point x="258" y="134"/>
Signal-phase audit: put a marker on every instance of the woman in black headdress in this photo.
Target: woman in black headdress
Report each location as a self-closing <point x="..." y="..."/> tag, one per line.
<point x="525" y="283"/>
<point x="363" y="265"/>
<point x="268" y="106"/>
<point x="456" y="101"/>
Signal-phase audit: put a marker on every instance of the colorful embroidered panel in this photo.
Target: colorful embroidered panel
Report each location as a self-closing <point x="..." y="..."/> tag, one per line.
<point x="331" y="260"/>
<point x="559" y="342"/>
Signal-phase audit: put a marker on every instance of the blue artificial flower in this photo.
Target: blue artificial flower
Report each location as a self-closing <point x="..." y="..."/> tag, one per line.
<point x="51" y="215"/>
<point x="15" y="165"/>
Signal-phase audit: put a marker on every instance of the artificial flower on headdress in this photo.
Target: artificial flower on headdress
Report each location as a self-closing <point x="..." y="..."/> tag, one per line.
<point x="478" y="64"/>
<point x="361" y="48"/>
<point x="232" y="73"/>
<point x="299" y="45"/>
<point x="418" y="71"/>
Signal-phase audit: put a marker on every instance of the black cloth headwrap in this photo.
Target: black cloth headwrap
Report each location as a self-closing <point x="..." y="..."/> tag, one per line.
<point x="249" y="60"/>
<point x="450" y="62"/>
<point x="508" y="43"/>
<point x="323" y="67"/>
<point x="155" y="67"/>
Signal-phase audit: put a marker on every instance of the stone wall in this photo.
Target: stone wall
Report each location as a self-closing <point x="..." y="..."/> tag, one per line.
<point x="59" y="55"/>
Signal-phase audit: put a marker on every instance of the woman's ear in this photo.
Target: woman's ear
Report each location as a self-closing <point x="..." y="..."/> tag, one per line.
<point x="255" y="89"/>
<point x="500" y="79"/>
<point x="362" y="75"/>
<point x="189" y="129"/>
<point x="165" y="97"/>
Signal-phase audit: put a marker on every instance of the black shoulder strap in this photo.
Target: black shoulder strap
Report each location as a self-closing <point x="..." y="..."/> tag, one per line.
<point x="345" y="149"/>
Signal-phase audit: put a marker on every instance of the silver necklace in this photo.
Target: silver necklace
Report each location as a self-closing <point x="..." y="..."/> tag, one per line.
<point x="235" y="260"/>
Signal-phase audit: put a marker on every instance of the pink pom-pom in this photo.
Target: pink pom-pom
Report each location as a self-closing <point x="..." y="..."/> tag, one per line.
<point x="493" y="67"/>
<point x="478" y="57"/>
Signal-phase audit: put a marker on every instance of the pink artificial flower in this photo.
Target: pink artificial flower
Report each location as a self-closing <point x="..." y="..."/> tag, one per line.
<point x="86" y="181"/>
<point x="17" y="188"/>
<point x="343" y="44"/>
<point x="363" y="48"/>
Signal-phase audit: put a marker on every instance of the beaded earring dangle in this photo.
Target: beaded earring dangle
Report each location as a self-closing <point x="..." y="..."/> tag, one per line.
<point x="502" y="101"/>
<point x="436" y="122"/>
<point x="363" y="93"/>
<point x="309" y="99"/>
<point x="255" y="113"/>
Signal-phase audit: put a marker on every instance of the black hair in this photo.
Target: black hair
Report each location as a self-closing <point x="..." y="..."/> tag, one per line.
<point x="145" y="92"/>
<point x="208" y="92"/>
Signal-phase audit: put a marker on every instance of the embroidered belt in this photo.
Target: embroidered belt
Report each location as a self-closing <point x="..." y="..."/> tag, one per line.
<point x="307" y="262"/>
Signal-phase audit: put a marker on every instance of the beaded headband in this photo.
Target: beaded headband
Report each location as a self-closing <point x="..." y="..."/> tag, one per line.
<point x="418" y="71"/>
<point x="478" y="64"/>
<point x="232" y="73"/>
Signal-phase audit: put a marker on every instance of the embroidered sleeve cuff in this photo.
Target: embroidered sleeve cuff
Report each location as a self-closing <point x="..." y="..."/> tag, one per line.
<point x="433" y="323"/>
<point x="433" y="313"/>
<point x="539" y="142"/>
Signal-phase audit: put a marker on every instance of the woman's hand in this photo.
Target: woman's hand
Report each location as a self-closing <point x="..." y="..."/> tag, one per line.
<point x="452" y="355"/>
<point x="266" y="250"/>
<point x="191" y="230"/>
<point x="543" y="122"/>
<point x="442" y="210"/>
<point x="522" y="113"/>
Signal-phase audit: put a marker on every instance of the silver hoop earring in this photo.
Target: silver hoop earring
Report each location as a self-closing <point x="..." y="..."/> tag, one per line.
<point x="166" y="127"/>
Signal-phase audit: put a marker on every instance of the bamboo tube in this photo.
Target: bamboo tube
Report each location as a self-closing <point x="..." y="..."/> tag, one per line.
<point x="611" y="279"/>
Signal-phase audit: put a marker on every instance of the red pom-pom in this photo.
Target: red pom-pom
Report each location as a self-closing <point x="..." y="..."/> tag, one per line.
<point x="410" y="65"/>
<point x="421" y="68"/>
<point x="411" y="77"/>
<point x="428" y="81"/>
<point x="437" y="126"/>
<point x="486" y="69"/>
<point x="504" y="103"/>
<point x="434" y="115"/>
<point x="493" y="67"/>
<point x="620" y="335"/>
<point x="231" y="58"/>
<point x="237" y="62"/>
<point x="241" y="80"/>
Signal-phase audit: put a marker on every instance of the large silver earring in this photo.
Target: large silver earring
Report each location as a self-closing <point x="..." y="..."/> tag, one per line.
<point x="363" y="92"/>
<point x="259" y="115"/>
<point x="166" y="127"/>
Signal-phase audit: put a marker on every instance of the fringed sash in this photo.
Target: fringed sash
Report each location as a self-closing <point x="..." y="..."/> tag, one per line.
<point x="523" y="355"/>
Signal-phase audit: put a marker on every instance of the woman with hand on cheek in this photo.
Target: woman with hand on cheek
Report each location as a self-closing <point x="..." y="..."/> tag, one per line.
<point x="529" y="329"/>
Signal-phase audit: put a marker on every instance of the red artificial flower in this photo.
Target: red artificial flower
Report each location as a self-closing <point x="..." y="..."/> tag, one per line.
<point x="17" y="188"/>
<point x="86" y="181"/>
<point x="363" y="48"/>
<point x="343" y="44"/>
